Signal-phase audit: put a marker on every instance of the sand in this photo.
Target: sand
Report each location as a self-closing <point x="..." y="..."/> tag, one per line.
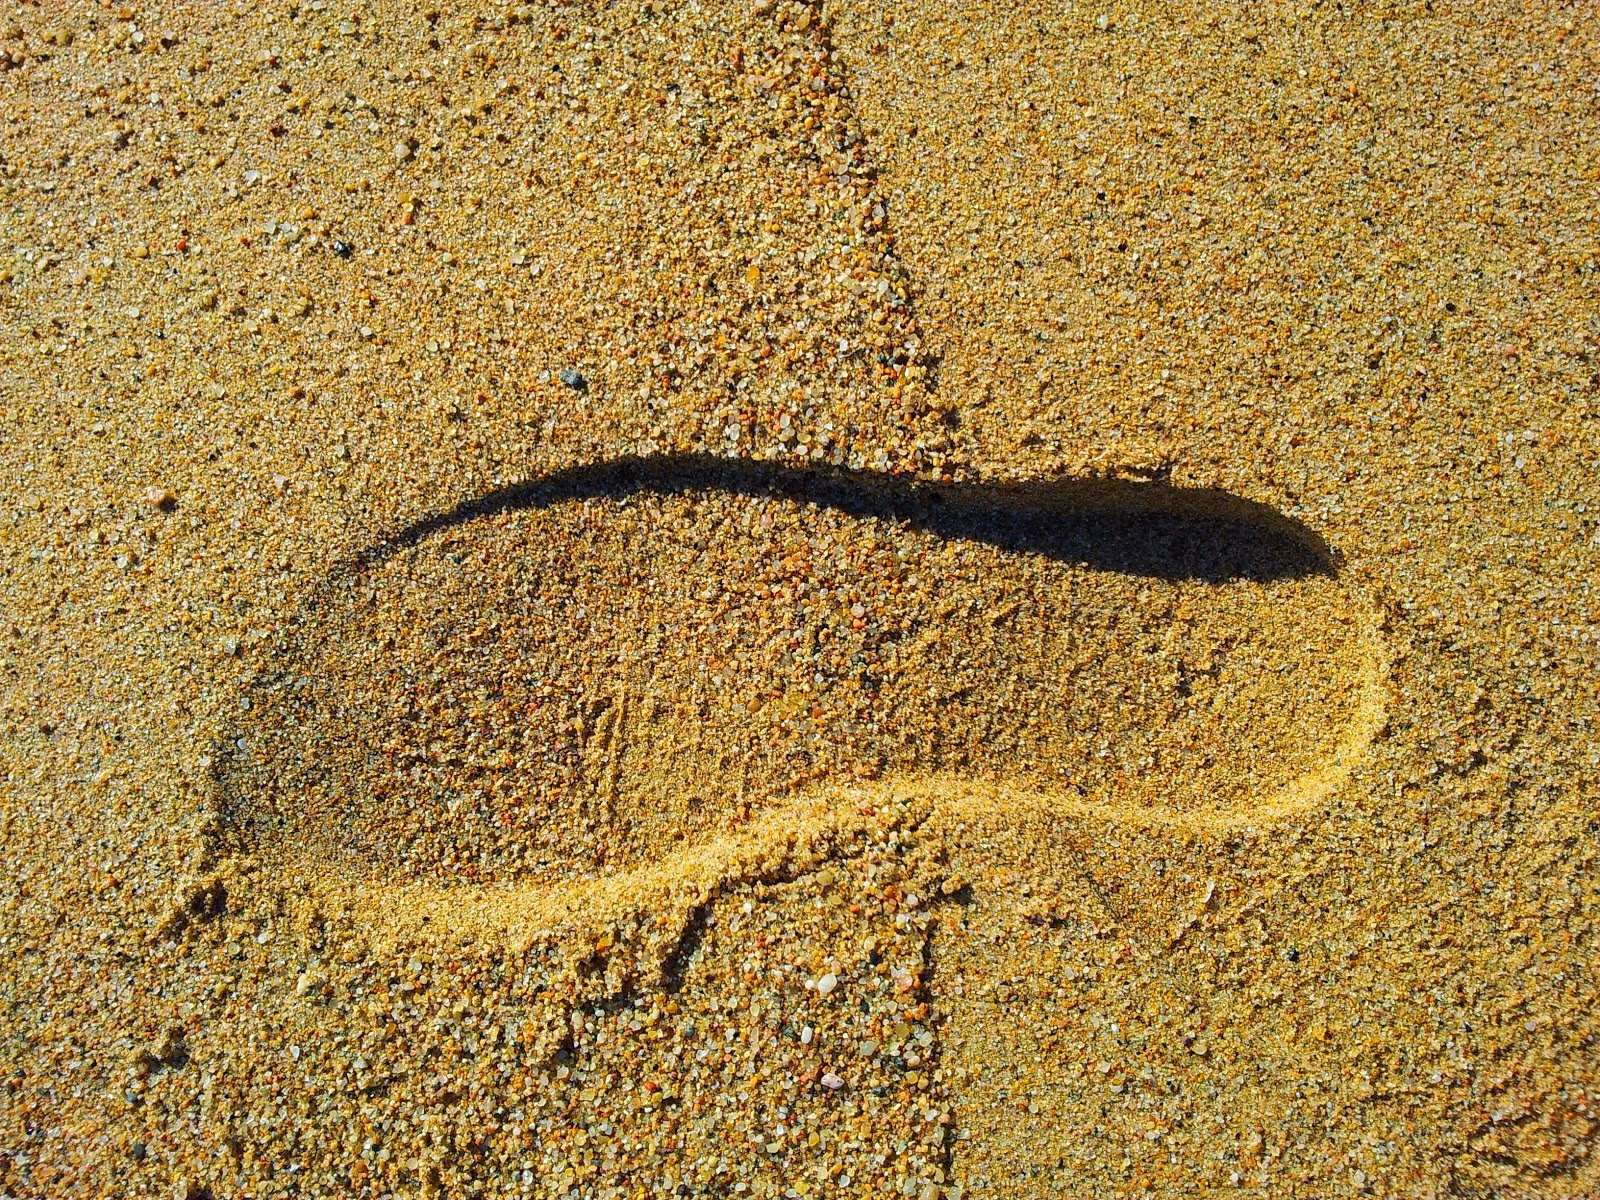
<point x="705" y="598"/>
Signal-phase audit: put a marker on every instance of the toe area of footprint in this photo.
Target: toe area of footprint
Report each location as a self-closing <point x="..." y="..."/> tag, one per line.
<point x="615" y="666"/>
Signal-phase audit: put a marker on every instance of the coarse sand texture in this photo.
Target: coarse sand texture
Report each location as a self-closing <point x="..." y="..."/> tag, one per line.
<point x="776" y="599"/>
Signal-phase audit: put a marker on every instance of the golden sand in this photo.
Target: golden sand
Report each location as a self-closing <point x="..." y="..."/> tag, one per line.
<point x="774" y="599"/>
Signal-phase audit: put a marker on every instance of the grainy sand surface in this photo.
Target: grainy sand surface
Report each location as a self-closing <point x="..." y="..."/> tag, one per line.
<point x="704" y="599"/>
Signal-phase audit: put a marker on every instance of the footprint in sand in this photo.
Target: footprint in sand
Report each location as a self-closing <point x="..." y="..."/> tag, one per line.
<point x="559" y="701"/>
<point x="577" y="674"/>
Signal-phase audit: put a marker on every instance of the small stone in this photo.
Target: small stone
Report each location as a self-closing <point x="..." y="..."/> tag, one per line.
<point x="573" y="379"/>
<point x="402" y="151"/>
<point x="827" y="983"/>
<point x="160" y="498"/>
<point x="831" y="1081"/>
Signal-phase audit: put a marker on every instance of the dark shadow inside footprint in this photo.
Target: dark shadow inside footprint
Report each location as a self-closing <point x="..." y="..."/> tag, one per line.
<point x="613" y="662"/>
<point x="1133" y="528"/>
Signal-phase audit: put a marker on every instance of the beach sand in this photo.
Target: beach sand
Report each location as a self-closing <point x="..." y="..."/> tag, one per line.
<point x="774" y="599"/>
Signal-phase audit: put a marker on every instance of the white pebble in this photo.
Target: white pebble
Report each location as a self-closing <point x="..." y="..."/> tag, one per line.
<point x="827" y="983"/>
